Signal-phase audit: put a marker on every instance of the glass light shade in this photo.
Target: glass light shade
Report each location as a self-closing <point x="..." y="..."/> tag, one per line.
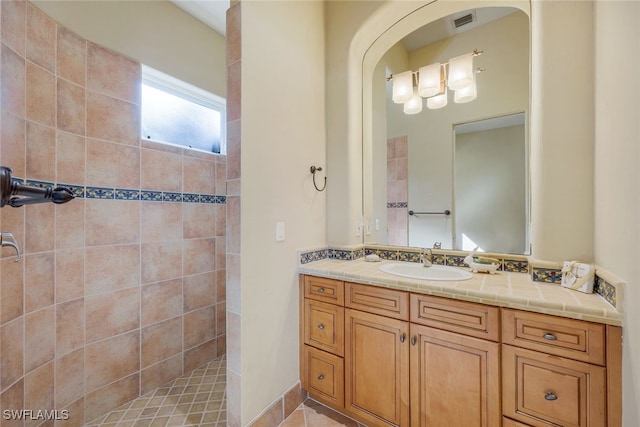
<point x="414" y="105"/>
<point x="466" y="94"/>
<point x="402" y="87"/>
<point x="429" y="80"/>
<point x="438" y="101"/>
<point x="460" y="71"/>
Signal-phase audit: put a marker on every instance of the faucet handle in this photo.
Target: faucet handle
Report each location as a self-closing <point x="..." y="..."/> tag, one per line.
<point x="437" y="245"/>
<point x="8" y="239"/>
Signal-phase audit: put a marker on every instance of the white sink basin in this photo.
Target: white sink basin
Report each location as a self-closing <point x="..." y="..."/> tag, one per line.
<point x="418" y="271"/>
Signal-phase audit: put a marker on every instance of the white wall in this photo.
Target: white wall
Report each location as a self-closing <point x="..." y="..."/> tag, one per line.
<point x="283" y="134"/>
<point x="617" y="175"/>
<point x="154" y="33"/>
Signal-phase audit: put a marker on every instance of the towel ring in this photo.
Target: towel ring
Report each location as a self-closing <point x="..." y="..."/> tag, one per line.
<point x="313" y="170"/>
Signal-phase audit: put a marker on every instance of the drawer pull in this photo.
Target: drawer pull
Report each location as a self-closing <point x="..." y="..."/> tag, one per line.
<point x="320" y="377"/>
<point x="403" y="337"/>
<point x="550" y="396"/>
<point x="414" y="340"/>
<point x="321" y="326"/>
<point x="320" y="290"/>
<point x="549" y="336"/>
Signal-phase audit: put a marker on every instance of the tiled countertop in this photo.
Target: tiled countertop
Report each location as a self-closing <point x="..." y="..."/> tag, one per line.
<point x="504" y="289"/>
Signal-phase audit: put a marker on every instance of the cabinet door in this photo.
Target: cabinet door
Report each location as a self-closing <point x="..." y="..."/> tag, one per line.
<point x="455" y="379"/>
<point x="376" y="369"/>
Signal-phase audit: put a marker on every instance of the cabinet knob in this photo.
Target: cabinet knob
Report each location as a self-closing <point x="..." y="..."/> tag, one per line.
<point x="320" y="377"/>
<point x="403" y="337"/>
<point x="320" y="290"/>
<point x="321" y="327"/>
<point x="549" y="336"/>
<point x="550" y="396"/>
<point x="414" y="340"/>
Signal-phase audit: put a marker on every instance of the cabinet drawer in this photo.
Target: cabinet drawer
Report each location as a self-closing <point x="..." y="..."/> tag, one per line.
<point x="324" y="326"/>
<point x="321" y="289"/>
<point x="575" y="339"/>
<point x="539" y="389"/>
<point x="324" y="376"/>
<point x="476" y="320"/>
<point x="377" y="300"/>
<point x="507" y="422"/>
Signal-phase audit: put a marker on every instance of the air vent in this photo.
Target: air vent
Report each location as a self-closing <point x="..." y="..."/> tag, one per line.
<point x="463" y="20"/>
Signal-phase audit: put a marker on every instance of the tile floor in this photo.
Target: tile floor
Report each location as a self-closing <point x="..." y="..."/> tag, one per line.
<point x="199" y="399"/>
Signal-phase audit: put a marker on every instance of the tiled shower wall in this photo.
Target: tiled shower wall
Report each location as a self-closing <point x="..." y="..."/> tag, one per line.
<point x="117" y="291"/>
<point x="397" y="191"/>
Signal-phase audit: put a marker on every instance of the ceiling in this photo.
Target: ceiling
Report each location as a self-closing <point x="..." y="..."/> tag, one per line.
<point x="210" y="12"/>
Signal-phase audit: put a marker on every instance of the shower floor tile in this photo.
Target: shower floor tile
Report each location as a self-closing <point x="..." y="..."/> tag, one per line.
<point x="196" y="399"/>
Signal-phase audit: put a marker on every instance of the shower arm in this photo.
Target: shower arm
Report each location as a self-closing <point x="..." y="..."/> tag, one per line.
<point x="16" y="194"/>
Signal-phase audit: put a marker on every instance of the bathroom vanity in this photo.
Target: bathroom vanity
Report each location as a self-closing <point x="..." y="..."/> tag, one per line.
<point x="390" y="351"/>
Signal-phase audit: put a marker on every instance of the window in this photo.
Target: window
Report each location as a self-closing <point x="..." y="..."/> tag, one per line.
<point x="177" y="113"/>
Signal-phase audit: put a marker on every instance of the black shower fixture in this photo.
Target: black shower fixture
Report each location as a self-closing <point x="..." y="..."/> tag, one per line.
<point x="16" y="194"/>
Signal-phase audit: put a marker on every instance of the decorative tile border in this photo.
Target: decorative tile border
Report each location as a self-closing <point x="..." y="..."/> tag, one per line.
<point x="109" y="193"/>
<point x="546" y="275"/>
<point x="397" y="205"/>
<point x="606" y="290"/>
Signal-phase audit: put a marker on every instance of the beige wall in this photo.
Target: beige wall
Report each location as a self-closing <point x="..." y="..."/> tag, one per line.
<point x="617" y="179"/>
<point x="283" y="134"/>
<point x="155" y="33"/>
<point x="114" y="296"/>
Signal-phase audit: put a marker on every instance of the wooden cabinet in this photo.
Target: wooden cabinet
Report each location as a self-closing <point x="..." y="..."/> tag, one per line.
<point x="377" y="369"/>
<point x="455" y="379"/>
<point x="388" y="357"/>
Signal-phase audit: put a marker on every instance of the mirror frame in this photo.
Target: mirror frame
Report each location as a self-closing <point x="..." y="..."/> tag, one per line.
<point x="395" y="31"/>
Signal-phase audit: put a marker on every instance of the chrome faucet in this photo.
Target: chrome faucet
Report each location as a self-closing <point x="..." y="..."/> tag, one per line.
<point x="427" y="257"/>
<point x="437" y="245"/>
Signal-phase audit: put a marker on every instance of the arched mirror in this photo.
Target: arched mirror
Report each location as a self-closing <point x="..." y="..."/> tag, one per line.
<point x="455" y="175"/>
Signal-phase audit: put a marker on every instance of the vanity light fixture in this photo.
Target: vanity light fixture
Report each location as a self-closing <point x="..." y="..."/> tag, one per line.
<point x="433" y="81"/>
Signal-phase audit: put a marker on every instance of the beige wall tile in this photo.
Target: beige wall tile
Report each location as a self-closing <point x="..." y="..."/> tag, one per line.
<point x="70" y="326"/>
<point x="112" y="165"/>
<point x="233" y="91"/>
<point x="13" y="25"/>
<point x="39" y="390"/>
<point x="161" y="301"/>
<point x="39" y="286"/>
<point x="233" y="341"/>
<point x="161" y="373"/>
<point x="293" y="398"/>
<point x="161" y="170"/>
<point x="221" y="285"/>
<point x="112" y="313"/>
<point x="14" y="396"/>
<point x="221" y="318"/>
<point x="199" y="256"/>
<point x="112" y="222"/>
<point x="76" y="415"/>
<point x="112" y="119"/>
<point x="199" y="176"/>
<point x="41" y="95"/>
<point x="41" y="38"/>
<point x="199" y="291"/>
<point x="111" y="396"/>
<point x="11" y="290"/>
<point x="70" y="374"/>
<point x="233" y="150"/>
<point x="200" y="355"/>
<point x="13" y="82"/>
<point x="41" y="152"/>
<point x="71" y="113"/>
<point x="161" y="341"/>
<point x="70" y="224"/>
<point x="273" y="416"/>
<point x="199" y="220"/>
<point x="112" y="360"/>
<point x="71" y="56"/>
<point x="161" y="222"/>
<point x="70" y="158"/>
<point x="12" y="356"/>
<point x="13" y="150"/>
<point x="40" y="229"/>
<point x="161" y="261"/>
<point x="221" y="219"/>
<point x="69" y="274"/>
<point x="109" y="268"/>
<point x="112" y="74"/>
<point x="39" y="338"/>
<point x="199" y="327"/>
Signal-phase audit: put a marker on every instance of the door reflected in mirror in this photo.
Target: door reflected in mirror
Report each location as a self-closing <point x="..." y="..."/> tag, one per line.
<point x="417" y="163"/>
